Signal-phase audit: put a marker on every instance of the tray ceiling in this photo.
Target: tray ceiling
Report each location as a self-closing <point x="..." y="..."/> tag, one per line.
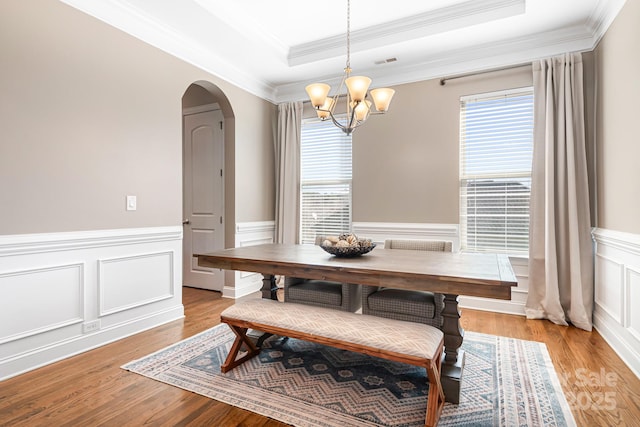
<point x="273" y="49"/>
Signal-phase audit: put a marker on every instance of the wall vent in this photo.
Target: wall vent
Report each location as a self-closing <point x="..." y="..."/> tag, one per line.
<point x="386" y="61"/>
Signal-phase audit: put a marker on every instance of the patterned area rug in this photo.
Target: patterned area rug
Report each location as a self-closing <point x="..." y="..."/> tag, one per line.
<point x="507" y="382"/>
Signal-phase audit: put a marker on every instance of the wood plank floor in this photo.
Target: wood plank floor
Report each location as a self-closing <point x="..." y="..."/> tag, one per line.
<point x="91" y="390"/>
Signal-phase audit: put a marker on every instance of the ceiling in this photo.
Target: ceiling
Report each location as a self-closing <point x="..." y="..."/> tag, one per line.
<point x="274" y="48"/>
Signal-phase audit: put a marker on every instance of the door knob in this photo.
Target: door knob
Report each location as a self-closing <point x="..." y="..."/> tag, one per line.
<point x="186" y="222"/>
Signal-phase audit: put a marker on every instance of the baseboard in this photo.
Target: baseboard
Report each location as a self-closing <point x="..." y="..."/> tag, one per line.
<point x="493" y="305"/>
<point x="615" y="337"/>
<point x="55" y="352"/>
<point x="242" y="291"/>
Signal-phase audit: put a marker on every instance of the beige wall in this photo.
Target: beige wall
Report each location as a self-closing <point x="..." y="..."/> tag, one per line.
<point x="617" y="142"/>
<point x="405" y="163"/>
<point x="196" y="96"/>
<point x="89" y="114"/>
<point x="255" y="162"/>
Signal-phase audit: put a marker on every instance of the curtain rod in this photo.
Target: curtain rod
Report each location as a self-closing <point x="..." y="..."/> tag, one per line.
<point x="461" y="76"/>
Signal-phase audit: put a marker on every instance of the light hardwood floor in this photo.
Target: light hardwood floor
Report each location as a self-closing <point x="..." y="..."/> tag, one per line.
<point x="91" y="390"/>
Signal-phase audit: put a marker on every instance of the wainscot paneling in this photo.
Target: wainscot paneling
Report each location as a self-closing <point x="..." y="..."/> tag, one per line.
<point x="379" y="232"/>
<point x="65" y="293"/>
<point x="617" y="293"/>
<point x="40" y="286"/>
<point x="133" y="281"/>
<point x="249" y="234"/>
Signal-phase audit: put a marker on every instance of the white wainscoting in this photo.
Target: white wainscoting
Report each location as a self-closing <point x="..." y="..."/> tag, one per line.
<point x="249" y="234"/>
<point x="617" y="293"/>
<point x="65" y="293"/>
<point x="378" y="232"/>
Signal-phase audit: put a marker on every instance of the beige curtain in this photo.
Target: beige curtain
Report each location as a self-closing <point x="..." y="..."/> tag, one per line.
<point x="560" y="246"/>
<point x="287" y="150"/>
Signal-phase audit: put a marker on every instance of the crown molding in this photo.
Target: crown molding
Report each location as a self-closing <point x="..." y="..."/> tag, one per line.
<point x="480" y="57"/>
<point x="121" y="15"/>
<point x="246" y="27"/>
<point x="125" y="17"/>
<point x="437" y="21"/>
<point x="602" y="17"/>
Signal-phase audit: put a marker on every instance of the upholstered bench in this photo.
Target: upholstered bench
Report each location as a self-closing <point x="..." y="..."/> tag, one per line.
<point x="407" y="342"/>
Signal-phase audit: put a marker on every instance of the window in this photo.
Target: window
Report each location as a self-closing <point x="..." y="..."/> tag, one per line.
<point x="496" y="148"/>
<point x="325" y="180"/>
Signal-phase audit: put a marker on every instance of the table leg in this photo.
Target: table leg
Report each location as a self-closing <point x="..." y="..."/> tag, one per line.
<point x="453" y="358"/>
<point x="269" y="288"/>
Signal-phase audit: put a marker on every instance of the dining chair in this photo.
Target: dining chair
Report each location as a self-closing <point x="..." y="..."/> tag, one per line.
<point x="402" y="304"/>
<point x="323" y="293"/>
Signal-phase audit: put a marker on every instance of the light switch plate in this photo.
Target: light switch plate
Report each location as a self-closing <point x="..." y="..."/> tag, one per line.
<point x="131" y="203"/>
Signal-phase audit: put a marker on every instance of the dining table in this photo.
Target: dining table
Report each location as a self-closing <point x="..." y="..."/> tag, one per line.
<point x="487" y="275"/>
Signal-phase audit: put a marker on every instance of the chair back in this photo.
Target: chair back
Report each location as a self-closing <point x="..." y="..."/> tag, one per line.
<point x="419" y="245"/>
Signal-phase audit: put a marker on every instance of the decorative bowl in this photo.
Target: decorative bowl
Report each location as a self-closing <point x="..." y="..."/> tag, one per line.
<point x="348" y="251"/>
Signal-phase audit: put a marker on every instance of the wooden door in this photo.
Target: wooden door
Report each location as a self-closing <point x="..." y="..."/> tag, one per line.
<point x="203" y="158"/>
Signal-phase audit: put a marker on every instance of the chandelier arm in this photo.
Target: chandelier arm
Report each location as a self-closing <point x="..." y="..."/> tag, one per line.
<point x="353" y="124"/>
<point x="338" y="124"/>
<point x="353" y="119"/>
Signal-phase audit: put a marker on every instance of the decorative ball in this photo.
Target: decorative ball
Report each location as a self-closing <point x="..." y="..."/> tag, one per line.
<point x="347" y="245"/>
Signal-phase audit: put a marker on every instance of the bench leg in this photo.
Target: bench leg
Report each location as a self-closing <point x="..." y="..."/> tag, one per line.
<point x="435" y="399"/>
<point x="241" y="338"/>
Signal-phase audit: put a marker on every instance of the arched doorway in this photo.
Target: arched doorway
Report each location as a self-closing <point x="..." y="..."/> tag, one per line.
<point x="208" y="196"/>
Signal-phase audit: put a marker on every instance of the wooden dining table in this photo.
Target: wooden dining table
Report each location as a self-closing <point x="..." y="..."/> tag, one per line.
<point x="452" y="274"/>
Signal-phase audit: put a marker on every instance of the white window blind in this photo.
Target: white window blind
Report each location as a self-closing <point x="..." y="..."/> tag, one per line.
<point x="325" y="180"/>
<point x="496" y="138"/>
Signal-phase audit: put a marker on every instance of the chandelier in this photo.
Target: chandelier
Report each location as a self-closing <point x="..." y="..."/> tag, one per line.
<point x="358" y="107"/>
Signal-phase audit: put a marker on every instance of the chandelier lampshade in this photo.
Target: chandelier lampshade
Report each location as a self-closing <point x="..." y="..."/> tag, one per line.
<point x="358" y="87"/>
<point x="318" y="93"/>
<point x="382" y="98"/>
<point x="325" y="111"/>
<point x="362" y="110"/>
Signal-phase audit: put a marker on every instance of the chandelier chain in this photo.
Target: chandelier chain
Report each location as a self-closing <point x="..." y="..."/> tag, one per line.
<point x="349" y="35"/>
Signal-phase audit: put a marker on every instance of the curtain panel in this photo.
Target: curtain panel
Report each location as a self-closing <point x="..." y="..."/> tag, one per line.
<point x="287" y="169"/>
<point x="560" y="245"/>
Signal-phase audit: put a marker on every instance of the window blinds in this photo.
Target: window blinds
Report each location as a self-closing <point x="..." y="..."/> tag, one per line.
<point x="325" y="181"/>
<point x="496" y="138"/>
